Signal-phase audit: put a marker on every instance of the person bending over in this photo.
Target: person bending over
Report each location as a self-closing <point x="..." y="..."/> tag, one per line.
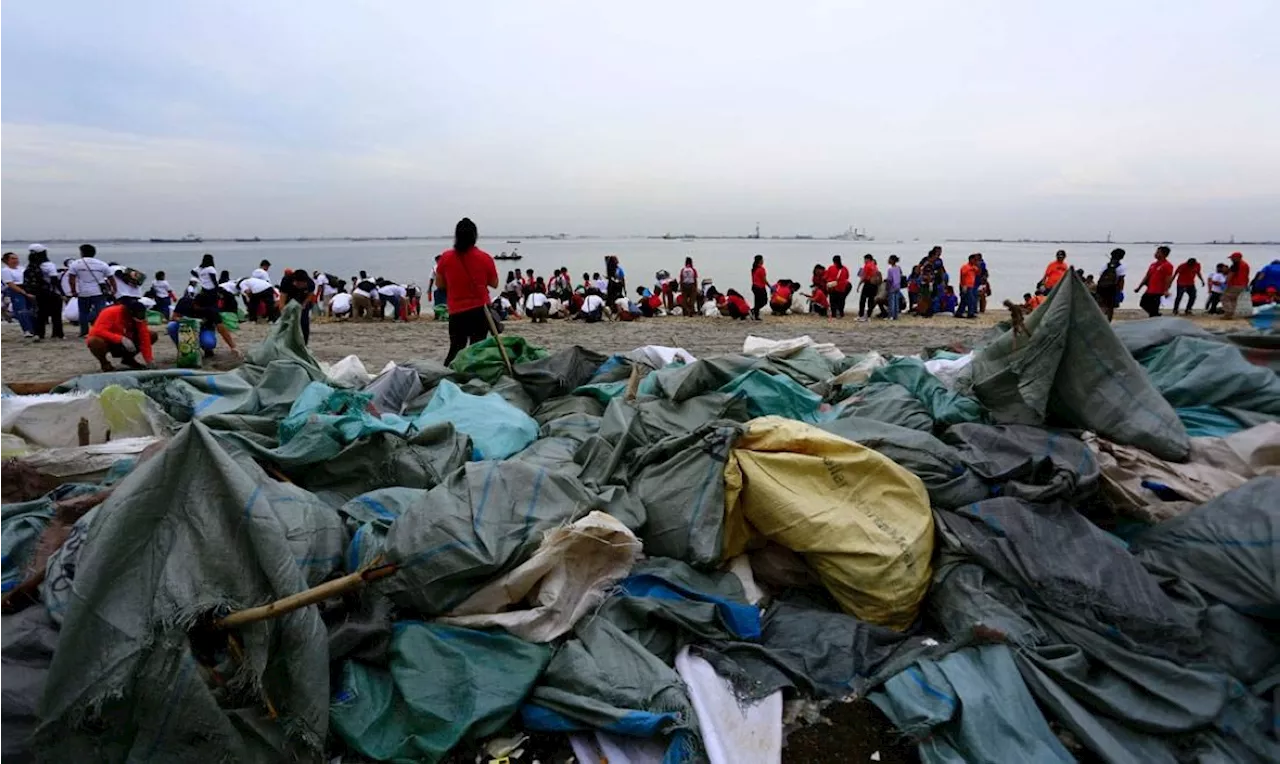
<point x="205" y="310"/>
<point x="121" y="331"/>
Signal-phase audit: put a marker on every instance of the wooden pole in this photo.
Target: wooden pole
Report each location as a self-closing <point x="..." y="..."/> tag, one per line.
<point x="493" y="329"/>
<point x="312" y="596"/>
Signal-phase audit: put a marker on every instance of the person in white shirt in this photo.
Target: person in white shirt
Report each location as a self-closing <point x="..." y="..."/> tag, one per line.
<point x="259" y="298"/>
<point x="393" y="294"/>
<point x="601" y="284"/>
<point x="207" y="274"/>
<point x="592" y="308"/>
<point x="340" y="306"/>
<point x="162" y="293"/>
<point x="536" y="307"/>
<point x="21" y="304"/>
<point x="91" y="283"/>
<point x="1217" y="285"/>
<point x="263" y="271"/>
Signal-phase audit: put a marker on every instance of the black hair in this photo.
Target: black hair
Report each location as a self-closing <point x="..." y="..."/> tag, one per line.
<point x="207" y="261"/>
<point x="837" y="260"/>
<point x="757" y="261"/>
<point x="88" y="250"/>
<point x="1117" y="254"/>
<point x="688" y="261"/>
<point x="465" y="235"/>
<point x="159" y="275"/>
<point x="595" y="277"/>
<point x="264" y="264"/>
<point x="1163" y="248"/>
<point x="364" y="275"/>
<point x="224" y="277"/>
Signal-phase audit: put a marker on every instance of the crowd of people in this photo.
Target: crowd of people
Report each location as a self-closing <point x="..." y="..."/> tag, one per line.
<point x="1226" y="285"/>
<point x="110" y="302"/>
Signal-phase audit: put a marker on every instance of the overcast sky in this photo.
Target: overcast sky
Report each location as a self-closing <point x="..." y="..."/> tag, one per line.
<point x="1151" y="119"/>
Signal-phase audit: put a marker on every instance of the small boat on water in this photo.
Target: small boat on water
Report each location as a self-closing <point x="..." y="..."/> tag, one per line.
<point x="190" y="238"/>
<point x="505" y="256"/>
<point x="254" y="239"/>
<point x="513" y="241"/>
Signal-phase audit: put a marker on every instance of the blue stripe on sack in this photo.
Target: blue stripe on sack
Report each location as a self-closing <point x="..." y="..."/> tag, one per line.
<point x="353" y="550"/>
<point x="642" y="723"/>
<point x="918" y="677"/>
<point x="213" y="396"/>
<point x="533" y="502"/>
<point x="253" y="498"/>
<point x="742" y="620"/>
<point x="484" y="497"/>
<point x="378" y="507"/>
<point x="536" y="717"/>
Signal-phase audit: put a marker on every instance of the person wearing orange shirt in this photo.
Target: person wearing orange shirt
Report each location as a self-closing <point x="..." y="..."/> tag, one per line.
<point x="1157" y="282"/>
<point x="1056" y="270"/>
<point x="1184" y="277"/>
<point x="819" y="302"/>
<point x="1237" y="282"/>
<point x="121" y="331"/>
<point x="1031" y="301"/>
<point x="759" y="286"/>
<point x="836" y="285"/>
<point x="969" y="288"/>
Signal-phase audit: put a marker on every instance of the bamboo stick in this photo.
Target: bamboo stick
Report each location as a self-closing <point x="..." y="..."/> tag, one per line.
<point x="312" y="596"/>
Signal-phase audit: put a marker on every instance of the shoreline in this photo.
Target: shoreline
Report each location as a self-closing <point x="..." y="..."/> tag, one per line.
<point x="379" y="342"/>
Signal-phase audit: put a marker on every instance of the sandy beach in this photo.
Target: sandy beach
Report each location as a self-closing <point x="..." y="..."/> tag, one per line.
<point x="376" y="343"/>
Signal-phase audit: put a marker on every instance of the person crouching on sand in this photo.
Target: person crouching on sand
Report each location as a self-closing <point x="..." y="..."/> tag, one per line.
<point x="121" y="331"/>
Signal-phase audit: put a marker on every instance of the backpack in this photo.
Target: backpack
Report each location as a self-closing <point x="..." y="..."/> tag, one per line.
<point x="1109" y="276"/>
<point x="688" y="276"/>
<point x="34" y="281"/>
<point x="132" y="276"/>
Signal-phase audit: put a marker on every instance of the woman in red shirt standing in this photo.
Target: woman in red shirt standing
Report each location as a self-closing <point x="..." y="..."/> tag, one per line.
<point x="466" y="273"/>
<point x="759" y="286"/>
<point x="837" y="286"/>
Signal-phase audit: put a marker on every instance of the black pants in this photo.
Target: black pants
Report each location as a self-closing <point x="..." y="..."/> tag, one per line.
<point x="1150" y="303"/>
<point x="1212" y="306"/>
<point x="1190" y="292"/>
<point x="762" y="299"/>
<point x="466" y="328"/>
<point x="838" y="298"/>
<point x="49" y="310"/>
<point x="263" y="303"/>
<point x="866" y="300"/>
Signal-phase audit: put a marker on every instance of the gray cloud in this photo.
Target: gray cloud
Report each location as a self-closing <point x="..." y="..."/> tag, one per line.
<point x="1000" y="118"/>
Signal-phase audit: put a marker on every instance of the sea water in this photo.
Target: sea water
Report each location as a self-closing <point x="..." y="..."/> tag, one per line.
<point x="1015" y="267"/>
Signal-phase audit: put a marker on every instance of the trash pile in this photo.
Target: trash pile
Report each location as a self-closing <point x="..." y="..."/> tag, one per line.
<point x="1062" y="543"/>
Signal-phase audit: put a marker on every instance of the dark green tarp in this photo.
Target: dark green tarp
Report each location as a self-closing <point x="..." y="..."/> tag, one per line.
<point x="1074" y="370"/>
<point x="442" y="685"/>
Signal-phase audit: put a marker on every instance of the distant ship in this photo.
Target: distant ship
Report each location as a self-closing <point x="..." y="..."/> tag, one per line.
<point x="853" y="234"/>
<point x="513" y="256"/>
<point x="190" y="238"/>
<point x="243" y="240"/>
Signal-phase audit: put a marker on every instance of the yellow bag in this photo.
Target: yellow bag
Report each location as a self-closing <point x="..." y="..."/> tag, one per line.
<point x="862" y="522"/>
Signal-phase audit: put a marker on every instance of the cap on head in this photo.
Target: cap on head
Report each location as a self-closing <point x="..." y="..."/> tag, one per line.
<point x="1237" y="256"/>
<point x="36" y="248"/>
<point x="1061" y="254"/>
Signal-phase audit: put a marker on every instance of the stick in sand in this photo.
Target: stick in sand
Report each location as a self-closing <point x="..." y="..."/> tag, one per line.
<point x="493" y="329"/>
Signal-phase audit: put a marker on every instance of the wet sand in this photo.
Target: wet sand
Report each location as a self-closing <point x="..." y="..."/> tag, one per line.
<point x="376" y="342"/>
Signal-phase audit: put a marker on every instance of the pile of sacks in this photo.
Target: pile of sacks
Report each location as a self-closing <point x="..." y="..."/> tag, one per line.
<point x="1069" y="534"/>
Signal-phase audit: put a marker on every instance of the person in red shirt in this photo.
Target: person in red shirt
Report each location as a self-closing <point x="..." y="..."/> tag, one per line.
<point x="870" y="278"/>
<point x="836" y="285"/>
<point x="121" y="331"/>
<point x="1054" y="272"/>
<point x="1185" y="276"/>
<point x="759" y="286"/>
<point x="466" y="273"/>
<point x="1237" y="282"/>
<point x="819" y="302"/>
<point x="969" y="288"/>
<point x="780" y="302"/>
<point x="735" y="305"/>
<point x="1157" y="282"/>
